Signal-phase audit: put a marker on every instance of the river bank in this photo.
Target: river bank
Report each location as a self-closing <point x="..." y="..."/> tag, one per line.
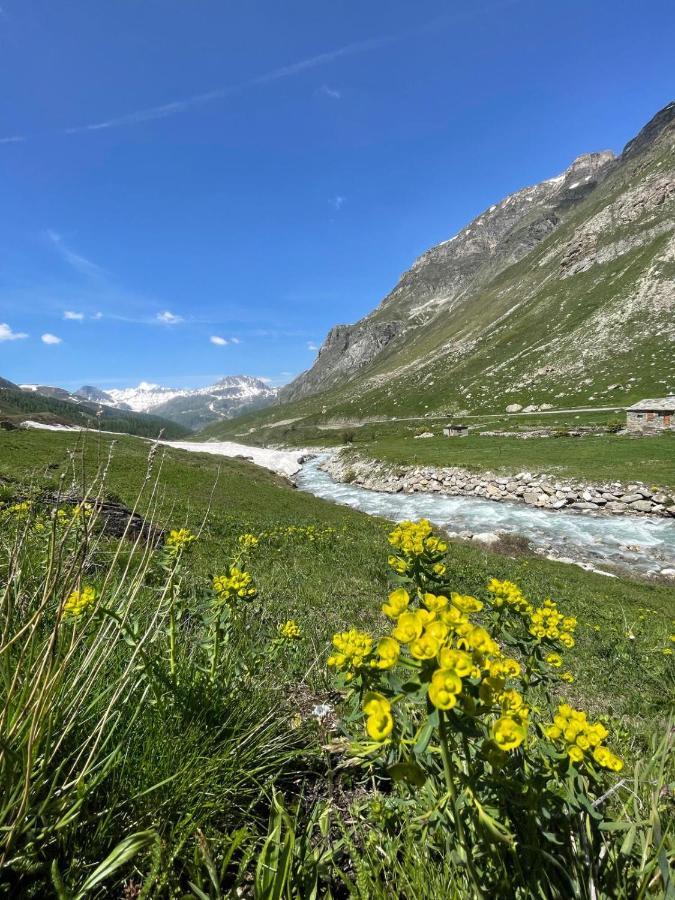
<point x="539" y="490"/>
<point x="605" y="544"/>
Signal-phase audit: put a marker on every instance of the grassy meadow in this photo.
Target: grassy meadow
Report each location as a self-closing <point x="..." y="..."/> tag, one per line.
<point x="602" y="456"/>
<point x="165" y="741"/>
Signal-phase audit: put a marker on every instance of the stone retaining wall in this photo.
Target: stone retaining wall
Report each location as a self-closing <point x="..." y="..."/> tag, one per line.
<point x="540" y="490"/>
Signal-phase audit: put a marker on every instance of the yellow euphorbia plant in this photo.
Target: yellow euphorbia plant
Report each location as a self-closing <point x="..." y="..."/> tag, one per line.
<point x="456" y="701"/>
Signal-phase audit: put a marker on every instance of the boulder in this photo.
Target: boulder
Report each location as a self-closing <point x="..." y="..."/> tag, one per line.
<point x="641" y="505"/>
<point x="513" y="408"/>
<point x="486" y="537"/>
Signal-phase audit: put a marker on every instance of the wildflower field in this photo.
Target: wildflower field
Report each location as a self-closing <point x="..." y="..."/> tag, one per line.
<point x="271" y="696"/>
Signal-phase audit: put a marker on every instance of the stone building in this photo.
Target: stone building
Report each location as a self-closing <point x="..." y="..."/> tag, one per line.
<point x="652" y="415"/>
<point x="456" y="430"/>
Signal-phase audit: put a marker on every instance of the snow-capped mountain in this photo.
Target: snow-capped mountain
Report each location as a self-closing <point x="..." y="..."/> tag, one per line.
<point x="193" y="408"/>
<point x="145" y="396"/>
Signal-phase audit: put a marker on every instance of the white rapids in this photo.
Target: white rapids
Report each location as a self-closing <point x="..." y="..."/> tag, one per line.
<point x="643" y="544"/>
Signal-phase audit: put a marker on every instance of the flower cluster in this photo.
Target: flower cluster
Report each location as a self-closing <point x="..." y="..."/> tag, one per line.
<point x="506" y="593"/>
<point x="19" y="510"/>
<point x="289" y="630"/>
<point x="416" y="543"/>
<point x="300" y="534"/>
<point x="79" y="602"/>
<point x="457" y="662"/>
<point x="353" y="648"/>
<point x="235" y="585"/>
<point x="179" y="539"/>
<point x="248" y="541"/>
<point x="465" y="665"/>
<point x="548" y="622"/>
<point x="581" y="738"/>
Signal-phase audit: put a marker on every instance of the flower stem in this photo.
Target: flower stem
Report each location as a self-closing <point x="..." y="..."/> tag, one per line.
<point x="448" y="771"/>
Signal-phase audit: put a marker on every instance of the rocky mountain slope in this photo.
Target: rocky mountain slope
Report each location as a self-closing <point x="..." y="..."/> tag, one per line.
<point x="561" y="294"/>
<point x="191" y="408"/>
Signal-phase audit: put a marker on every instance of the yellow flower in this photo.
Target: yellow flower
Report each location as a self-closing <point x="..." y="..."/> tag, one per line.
<point x="440" y="569"/>
<point x="290" y="629"/>
<point x="575" y="753"/>
<point x="452" y="616"/>
<point x="353" y="647"/>
<point x="554" y="659"/>
<point x="179" y="539"/>
<point x="511" y="701"/>
<point x="379" y="721"/>
<point x="79" y="601"/>
<point x="388" y="651"/>
<point x="409" y="627"/>
<point x="398" y="565"/>
<point x="434" y="602"/>
<point x="425" y="647"/>
<point x="248" y="541"/>
<point x="444" y="687"/>
<point x="509" y="594"/>
<point x="508" y="734"/>
<point x="397" y="603"/>
<point x="667" y="651"/>
<point x="235" y="585"/>
<point x="457" y="661"/>
<point x="568" y="677"/>
<point x="465" y="603"/>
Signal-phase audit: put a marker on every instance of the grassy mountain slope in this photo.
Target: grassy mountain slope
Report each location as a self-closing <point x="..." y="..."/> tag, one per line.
<point x="582" y="316"/>
<point x="18" y="406"/>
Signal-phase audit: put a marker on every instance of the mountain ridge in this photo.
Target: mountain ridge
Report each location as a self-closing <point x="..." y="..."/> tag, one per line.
<point x="561" y="293"/>
<point x="192" y="408"/>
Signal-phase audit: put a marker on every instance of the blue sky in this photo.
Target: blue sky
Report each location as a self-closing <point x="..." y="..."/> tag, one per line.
<point x="194" y="189"/>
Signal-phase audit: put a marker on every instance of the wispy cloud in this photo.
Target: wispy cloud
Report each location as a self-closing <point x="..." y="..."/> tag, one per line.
<point x="174" y="107"/>
<point x="337" y="202"/>
<point x="312" y="346"/>
<point x="13" y="139"/>
<point x="168" y="318"/>
<point x="75" y="260"/>
<point x="332" y="93"/>
<point x="50" y="339"/>
<point x="223" y="342"/>
<point x="71" y="316"/>
<point x="6" y="333"/>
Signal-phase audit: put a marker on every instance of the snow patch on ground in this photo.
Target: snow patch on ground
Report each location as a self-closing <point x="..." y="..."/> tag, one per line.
<point x="283" y="462"/>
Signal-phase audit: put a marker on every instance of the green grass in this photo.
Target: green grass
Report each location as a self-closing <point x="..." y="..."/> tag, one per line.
<point x="330" y="584"/>
<point x="195" y="763"/>
<point x="593" y="457"/>
<point x="601" y="458"/>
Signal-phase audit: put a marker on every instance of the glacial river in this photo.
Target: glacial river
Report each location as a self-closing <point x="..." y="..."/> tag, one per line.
<point x="640" y="544"/>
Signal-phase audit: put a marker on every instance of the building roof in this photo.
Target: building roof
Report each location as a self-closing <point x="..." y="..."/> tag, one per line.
<point x="661" y="404"/>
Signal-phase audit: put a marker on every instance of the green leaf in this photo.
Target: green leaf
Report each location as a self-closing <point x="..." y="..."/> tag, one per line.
<point x="122" y="853"/>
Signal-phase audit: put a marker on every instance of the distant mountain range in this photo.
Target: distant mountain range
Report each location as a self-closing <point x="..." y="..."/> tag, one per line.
<point x="145" y="409"/>
<point x="194" y="408"/>
<point x="56" y="406"/>
<point x="562" y="293"/>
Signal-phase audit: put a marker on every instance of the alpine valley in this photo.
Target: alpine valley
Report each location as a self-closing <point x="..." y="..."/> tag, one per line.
<point x="560" y="295"/>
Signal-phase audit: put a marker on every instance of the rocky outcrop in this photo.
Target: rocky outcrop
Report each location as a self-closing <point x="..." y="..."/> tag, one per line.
<point x="346" y="349"/>
<point x="538" y="490"/>
<point x="441" y="277"/>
